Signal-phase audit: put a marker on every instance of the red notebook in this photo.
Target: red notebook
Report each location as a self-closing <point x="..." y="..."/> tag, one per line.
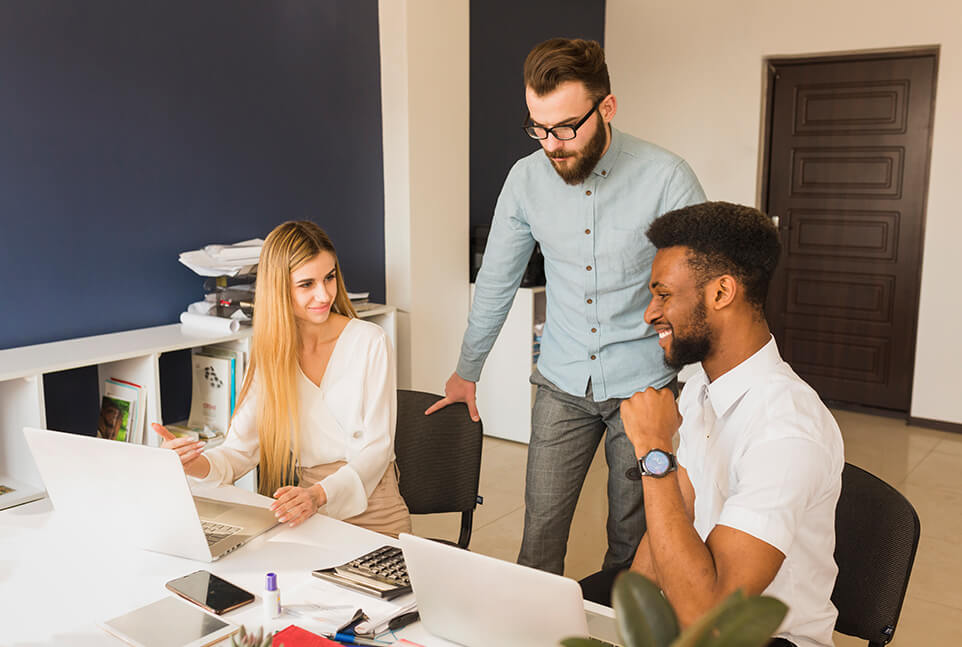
<point x="294" y="636"/>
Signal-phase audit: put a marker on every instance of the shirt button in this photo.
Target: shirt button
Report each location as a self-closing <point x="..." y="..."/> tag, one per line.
<point x="593" y="357"/>
<point x="594" y="330"/>
<point x="357" y="434"/>
<point x="589" y="300"/>
<point x="604" y="172"/>
<point x="587" y="192"/>
<point x="588" y="268"/>
<point x="587" y="231"/>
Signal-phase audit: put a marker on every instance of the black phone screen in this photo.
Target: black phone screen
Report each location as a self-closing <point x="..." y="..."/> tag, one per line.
<point x="210" y="591"/>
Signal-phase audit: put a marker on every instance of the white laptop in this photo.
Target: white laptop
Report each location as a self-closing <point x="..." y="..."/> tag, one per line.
<point x="139" y="493"/>
<point x="479" y="601"/>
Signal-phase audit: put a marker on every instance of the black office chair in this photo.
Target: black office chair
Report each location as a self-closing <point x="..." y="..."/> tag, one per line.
<point x="438" y="457"/>
<point x="876" y="537"/>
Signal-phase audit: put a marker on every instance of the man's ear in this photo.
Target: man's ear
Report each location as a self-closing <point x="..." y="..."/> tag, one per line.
<point x="608" y="108"/>
<point x="722" y="291"/>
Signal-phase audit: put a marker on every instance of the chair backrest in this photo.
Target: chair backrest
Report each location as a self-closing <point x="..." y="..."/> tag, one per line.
<point x="438" y="457"/>
<point x="876" y="536"/>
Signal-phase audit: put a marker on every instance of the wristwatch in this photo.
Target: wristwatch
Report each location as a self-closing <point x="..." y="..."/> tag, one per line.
<point x="657" y="463"/>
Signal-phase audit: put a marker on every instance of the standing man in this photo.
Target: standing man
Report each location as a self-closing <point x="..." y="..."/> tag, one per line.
<point x="587" y="198"/>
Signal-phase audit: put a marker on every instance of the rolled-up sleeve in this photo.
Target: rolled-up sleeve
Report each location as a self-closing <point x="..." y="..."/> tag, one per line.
<point x="369" y="450"/>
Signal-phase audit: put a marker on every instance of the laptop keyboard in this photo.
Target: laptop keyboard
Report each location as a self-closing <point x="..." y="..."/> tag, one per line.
<point x="217" y="531"/>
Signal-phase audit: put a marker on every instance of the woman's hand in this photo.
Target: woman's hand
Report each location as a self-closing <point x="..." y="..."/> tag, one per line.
<point x="295" y="505"/>
<point x="188" y="449"/>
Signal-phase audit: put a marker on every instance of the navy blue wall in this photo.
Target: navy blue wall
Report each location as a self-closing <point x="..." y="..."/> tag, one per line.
<point x="131" y="131"/>
<point x="502" y="34"/>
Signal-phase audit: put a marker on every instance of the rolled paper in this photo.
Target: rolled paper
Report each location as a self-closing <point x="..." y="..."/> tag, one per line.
<point x="209" y="323"/>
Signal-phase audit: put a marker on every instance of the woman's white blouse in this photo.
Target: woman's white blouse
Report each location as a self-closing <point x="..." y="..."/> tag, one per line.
<point x="349" y="417"/>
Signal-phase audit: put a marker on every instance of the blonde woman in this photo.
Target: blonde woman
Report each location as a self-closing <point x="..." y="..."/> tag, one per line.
<point x="317" y="408"/>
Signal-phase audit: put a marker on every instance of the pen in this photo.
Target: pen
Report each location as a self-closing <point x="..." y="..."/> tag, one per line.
<point x="351" y="639"/>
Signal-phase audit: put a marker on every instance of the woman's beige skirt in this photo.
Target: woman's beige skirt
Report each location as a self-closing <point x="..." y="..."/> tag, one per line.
<point x="386" y="511"/>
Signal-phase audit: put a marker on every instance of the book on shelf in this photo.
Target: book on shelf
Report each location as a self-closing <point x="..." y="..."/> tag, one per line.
<point x="217" y="375"/>
<point x="138" y="415"/>
<point x="238" y="367"/>
<point x="114" y="421"/>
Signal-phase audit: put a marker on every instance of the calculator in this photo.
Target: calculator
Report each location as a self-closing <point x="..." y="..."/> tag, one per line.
<point x="380" y="572"/>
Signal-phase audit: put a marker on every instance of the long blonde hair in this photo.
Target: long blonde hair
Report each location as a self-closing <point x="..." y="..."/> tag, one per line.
<point x="275" y="346"/>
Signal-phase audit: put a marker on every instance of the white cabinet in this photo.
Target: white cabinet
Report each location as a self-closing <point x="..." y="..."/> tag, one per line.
<point x="505" y="395"/>
<point x="132" y="355"/>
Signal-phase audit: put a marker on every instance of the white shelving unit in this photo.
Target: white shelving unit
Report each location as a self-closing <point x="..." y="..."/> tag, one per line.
<point x="132" y="355"/>
<point x="505" y="395"/>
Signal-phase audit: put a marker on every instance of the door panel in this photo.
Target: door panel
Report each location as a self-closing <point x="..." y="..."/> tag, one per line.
<point x="848" y="156"/>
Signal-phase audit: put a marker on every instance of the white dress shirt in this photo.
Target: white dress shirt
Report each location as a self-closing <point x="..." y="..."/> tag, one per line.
<point x="349" y="417"/>
<point x="765" y="457"/>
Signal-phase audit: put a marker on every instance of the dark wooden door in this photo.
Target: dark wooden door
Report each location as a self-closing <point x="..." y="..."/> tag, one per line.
<point x="847" y="159"/>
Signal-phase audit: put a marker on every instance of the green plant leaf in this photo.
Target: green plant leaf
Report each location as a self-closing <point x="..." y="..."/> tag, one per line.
<point x="645" y="618"/>
<point x="582" y="642"/>
<point x="693" y="634"/>
<point x="749" y="623"/>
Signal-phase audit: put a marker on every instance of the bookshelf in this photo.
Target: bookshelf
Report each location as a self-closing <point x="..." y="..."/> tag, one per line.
<point x="505" y="395"/>
<point x="132" y="355"/>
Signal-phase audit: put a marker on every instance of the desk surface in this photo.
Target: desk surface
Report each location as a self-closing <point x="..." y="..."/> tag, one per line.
<point x="57" y="583"/>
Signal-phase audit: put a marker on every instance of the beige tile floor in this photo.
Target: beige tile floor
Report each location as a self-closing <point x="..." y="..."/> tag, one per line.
<point x="925" y="465"/>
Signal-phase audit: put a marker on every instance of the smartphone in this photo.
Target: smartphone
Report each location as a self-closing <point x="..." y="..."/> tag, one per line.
<point x="210" y="592"/>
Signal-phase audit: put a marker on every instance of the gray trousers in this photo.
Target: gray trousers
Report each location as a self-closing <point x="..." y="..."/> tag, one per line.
<point x="565" y="432"/>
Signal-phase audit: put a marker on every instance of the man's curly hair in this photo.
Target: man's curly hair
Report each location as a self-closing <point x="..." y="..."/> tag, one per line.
<point x="723" y="238"/>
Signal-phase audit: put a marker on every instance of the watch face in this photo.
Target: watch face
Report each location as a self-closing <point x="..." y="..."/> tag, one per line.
<point x="657" y="462"/>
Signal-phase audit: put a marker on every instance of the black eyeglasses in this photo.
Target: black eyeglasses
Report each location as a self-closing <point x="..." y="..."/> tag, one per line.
<point x="562" y="133"/>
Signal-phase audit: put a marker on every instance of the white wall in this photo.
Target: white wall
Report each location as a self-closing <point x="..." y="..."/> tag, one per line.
<point x="688" y="75"/>
<point x="425" y="101"/>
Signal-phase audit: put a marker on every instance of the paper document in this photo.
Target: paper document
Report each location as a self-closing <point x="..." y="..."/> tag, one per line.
<point x="339" y="542"/>
<point x="323" y="607"/>
<point x="223" y="260"/>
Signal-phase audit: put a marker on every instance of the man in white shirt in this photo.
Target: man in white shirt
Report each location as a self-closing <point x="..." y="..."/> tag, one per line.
<point x="751" y="504"/>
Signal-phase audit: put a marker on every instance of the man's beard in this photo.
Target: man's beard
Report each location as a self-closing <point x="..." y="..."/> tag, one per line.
<point x="695" y="345"/>
<point x="585" y="161"/>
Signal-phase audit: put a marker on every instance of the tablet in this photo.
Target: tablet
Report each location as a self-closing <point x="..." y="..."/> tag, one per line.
<point x="169" y="622"/>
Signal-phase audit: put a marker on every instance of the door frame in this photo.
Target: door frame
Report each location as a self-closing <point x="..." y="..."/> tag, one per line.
<point x="770" y="64"/>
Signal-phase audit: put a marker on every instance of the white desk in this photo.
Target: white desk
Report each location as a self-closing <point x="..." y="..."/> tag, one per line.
<point x="56" y="584"/>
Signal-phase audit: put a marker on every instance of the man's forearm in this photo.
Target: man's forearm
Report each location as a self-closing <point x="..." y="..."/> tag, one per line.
<point x="683" y="565"/>
<point x="642" y="563"/>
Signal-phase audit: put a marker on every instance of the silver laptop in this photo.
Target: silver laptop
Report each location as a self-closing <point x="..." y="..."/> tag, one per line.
<point x="139" y="495"/>
<point x="479" y="601"/>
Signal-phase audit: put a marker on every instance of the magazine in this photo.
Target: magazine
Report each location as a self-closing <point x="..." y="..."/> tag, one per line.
<point x="114" y="421"/>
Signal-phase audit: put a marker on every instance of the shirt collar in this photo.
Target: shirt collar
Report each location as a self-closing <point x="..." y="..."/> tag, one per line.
<point x="603" y="167"/>
<point x="727" y="389"/>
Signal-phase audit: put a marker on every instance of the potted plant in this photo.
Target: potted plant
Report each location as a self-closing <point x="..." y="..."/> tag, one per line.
<point x="646" y="619"/>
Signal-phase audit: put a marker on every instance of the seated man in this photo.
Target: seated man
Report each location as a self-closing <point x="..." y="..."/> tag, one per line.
<point x="751" y="505"/>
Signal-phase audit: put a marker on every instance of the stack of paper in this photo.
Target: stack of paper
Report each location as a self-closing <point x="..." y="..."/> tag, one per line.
<point x="223" y="260"/>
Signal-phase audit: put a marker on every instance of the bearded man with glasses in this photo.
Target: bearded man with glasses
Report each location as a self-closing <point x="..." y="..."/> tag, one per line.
<point x="588" y="200"/>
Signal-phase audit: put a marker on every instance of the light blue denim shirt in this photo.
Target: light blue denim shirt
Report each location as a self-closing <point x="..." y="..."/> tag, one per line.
<point x="597" y="266"/>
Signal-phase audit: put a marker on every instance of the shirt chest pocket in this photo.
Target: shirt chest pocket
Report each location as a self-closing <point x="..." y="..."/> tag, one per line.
<point x="626" y="250"/>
